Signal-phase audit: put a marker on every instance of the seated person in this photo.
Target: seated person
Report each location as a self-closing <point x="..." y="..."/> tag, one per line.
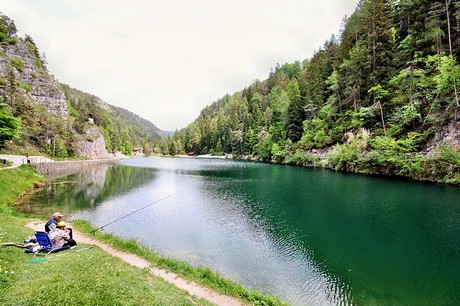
<point x="51" y="224"/>
<point x="55" y="219"/>
<point x="60" y="236"/>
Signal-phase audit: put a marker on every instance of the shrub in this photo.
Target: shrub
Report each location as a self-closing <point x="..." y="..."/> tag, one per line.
<point x="13" y="40"/>
<point x="302" y="158"/>
<point x="26" y="87"/>
<point x="346" y="157"/>
<point x="18" y="63"/>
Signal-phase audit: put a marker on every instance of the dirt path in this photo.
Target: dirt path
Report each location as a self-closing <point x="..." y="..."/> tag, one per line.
<point x="134" y="260"/>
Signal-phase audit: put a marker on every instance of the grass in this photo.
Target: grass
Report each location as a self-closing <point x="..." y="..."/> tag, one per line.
<point x="203" y="276"/>
<point x="91" y="277"/>
<point x="14" y="183"/>
<point x="86" y="277"/>
<point x="5" y="163"/>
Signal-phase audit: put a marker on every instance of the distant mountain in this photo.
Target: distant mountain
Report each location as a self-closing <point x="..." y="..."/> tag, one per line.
<point x="57" y="119"/>
<point x="168" y="133"/>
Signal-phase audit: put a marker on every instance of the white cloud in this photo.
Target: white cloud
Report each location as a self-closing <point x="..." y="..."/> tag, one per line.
<point x="166" y="60"/>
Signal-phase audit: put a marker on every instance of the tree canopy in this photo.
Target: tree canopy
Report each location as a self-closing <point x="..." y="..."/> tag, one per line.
<point x="393" y="73"/>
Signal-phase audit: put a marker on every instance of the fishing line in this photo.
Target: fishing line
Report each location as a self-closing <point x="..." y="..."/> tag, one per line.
<point x="133" y="212"/>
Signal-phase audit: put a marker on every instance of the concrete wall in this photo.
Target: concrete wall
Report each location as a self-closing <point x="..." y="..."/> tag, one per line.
<point x="65" y="166"/>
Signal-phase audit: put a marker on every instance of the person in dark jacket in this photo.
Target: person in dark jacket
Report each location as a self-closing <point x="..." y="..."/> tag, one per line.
<point x="51" y="224"/>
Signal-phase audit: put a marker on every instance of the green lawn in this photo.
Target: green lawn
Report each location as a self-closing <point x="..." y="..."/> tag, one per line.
<point x="73" y="277"/>
<point x="15" y="182"/>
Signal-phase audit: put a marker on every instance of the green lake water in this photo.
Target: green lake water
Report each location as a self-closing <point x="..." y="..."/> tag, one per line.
<point x="307" y="236"/>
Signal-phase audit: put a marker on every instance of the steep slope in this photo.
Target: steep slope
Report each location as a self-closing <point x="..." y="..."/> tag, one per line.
<point x="382" y="99"/>
<point x="121" y="128"/>
<point x="56" y="119"/>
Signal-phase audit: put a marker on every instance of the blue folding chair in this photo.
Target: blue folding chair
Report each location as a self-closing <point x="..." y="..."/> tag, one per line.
<point x="45" y="243"/>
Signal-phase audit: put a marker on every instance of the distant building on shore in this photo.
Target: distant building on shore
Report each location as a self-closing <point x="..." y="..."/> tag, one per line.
<point x="138" y="151"/>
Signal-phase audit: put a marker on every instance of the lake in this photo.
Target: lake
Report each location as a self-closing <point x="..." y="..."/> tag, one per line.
<point x="307" y="236"/>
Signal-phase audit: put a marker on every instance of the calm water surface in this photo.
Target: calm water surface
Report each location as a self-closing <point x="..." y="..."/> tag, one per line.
<point x="307" y="236"/>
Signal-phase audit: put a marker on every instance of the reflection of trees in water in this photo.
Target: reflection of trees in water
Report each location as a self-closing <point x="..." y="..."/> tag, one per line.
<point x="87" y="188"/>
<point x="90" y="182"/>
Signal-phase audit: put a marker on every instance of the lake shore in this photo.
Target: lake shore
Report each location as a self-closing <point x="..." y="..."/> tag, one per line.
<point x="13" y="226"/>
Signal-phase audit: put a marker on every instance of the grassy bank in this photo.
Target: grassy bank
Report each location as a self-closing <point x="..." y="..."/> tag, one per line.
<point x="386" y="157"/>
<point x="202" y="276"/>
<point x="110" y="281"/>
<point x="64" y="279"/>
<point x="77" y="277"/>
<point x="14" y="183"/>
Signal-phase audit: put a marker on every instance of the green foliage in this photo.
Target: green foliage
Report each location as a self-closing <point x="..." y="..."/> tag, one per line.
<point x="122" y="130"/>
<point x="18" y="63"/>
<point x="9" y="125"/>
<point x="34" y="52"/>
<point x="346" y="157"/>
<point x="445" y="166"/>
<point x="127" y="148"/>
<point x="25" y="87"/>
<point x="12" y="41"/>
<point x="7" y="26"/>
<point x="14" y="182"/>
<point x="389" y="73"/>
<point x="112" y="281"/>
<point x="301" y="157"/>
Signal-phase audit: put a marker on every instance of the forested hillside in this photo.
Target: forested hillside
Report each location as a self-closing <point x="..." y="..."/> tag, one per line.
<point x="382" y="98"/>
<point x="39" y="115"/>
<point x="122" y="129"/>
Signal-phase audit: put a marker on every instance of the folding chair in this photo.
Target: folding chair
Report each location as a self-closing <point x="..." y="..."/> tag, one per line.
<point x="45" y="244"/>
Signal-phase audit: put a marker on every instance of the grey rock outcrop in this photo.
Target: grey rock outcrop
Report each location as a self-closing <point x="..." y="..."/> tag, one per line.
<point x="449" y="136"/>
<point x="91" y="144"/>
<point x="42" y="87"/>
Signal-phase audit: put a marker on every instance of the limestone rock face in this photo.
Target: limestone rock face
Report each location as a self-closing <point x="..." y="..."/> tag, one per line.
<point x="448" y="136"/>
<point x="92" y="144"/>
<point x="41" y="86"/>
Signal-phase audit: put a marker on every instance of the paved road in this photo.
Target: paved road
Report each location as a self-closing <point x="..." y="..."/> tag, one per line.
<point x="21" y="159"/>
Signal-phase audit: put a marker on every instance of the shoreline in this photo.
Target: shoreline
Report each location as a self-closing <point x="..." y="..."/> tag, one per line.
<point x="190" y="287"/>
<point x="58" y="168"/>
<point x="203" y="277"/>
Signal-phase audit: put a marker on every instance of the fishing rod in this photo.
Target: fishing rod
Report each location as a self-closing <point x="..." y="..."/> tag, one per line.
<point x="133" y="212"/>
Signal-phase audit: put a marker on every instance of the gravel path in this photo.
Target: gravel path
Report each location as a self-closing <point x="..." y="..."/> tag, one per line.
<point x="21" y="159"/>
<point x="134" y="260"/>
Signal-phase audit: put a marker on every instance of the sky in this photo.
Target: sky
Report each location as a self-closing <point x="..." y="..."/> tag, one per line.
<point x="167" y="60"/>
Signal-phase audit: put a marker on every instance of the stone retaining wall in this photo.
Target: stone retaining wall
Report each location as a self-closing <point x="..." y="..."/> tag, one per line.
<point x="63" y="166"/>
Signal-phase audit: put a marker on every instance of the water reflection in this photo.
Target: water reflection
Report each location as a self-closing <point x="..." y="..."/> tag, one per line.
<point x="87" y="188"/>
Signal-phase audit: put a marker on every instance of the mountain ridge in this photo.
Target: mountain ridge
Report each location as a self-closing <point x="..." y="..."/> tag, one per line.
<point x="57" y="119"/>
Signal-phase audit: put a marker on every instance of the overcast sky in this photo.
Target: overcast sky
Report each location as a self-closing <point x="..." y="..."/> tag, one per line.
<point x="166" y="60"/>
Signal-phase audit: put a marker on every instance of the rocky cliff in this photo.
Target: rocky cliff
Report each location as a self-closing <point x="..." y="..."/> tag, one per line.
<point x="57" y="119"/>
<point x="19" y="63"/>
<point x="91" y="144"/>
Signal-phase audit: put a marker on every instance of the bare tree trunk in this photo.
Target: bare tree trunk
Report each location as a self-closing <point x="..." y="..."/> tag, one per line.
<point x="383" y="121"/>
<point x="448" y="30"/>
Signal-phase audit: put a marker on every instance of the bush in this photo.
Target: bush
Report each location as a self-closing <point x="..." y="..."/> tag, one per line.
<point x="346" y="157"/>
<point x="302" y="158"/>
<point x="444" y="167"/>
<point x="26" y="87"/>
<point x="13" y="40"/>
<point x="18" y="63"/>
